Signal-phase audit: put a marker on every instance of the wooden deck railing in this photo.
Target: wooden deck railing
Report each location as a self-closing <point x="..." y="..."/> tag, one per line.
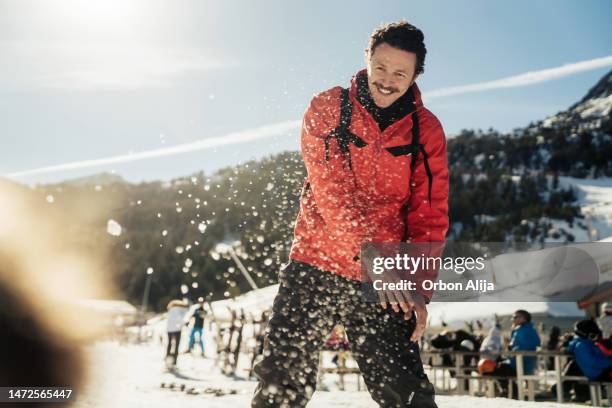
<point x="525" y="382"/>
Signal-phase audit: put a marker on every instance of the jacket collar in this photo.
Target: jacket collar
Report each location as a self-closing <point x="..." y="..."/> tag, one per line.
<point x="415" y="88"/>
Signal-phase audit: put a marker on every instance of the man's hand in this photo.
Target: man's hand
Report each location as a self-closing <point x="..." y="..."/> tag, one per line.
<point x="419" y="306"/>
<point x="408" y="303"/>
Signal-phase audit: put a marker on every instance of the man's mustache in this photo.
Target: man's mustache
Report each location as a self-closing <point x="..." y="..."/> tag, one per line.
<point x="385" y="87"/>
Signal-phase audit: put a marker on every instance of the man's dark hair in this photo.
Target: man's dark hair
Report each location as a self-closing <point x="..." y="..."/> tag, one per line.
<point x="526" y="315"/>
<point x="401" y="35"/>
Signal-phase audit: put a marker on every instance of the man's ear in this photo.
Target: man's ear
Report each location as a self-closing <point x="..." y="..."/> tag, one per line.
<point x="414" y="78"/>
<point x="366" y="59"/>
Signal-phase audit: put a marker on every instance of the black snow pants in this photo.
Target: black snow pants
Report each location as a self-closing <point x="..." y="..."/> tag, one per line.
<point x="308" y="305"/>
<point x="172" y="349"/>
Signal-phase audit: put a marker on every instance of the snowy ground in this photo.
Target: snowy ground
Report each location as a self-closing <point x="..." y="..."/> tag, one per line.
<point x="130" y="376"/>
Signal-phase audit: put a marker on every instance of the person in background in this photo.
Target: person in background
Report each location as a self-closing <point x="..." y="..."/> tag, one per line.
<point x="337" y="341"/>
<point x="198" y="314"/>
<point x="44" y="330"/>
<point x="605" y="320"/>
<point x="575" y="391"/>
<point x="554" y="340"/>
<point x="34" y="352"/>
<point x="595" y="365"/>
<point x="458" y="340"/>
<point x="522" y="338"/>
<point x="175" y="318"/>
<point x="492" y="343"/>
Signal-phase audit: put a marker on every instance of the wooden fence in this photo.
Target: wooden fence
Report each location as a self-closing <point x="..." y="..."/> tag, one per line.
<point x="526" y="383"/>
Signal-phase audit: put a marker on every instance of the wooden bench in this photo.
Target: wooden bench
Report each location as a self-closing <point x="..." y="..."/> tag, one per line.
<point x="491" y="382"/>
<point x="341" y="369"/>
<point x="595" y="387"/>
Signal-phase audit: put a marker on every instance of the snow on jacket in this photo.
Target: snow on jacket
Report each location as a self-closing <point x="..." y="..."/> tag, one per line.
<point x="524" y="338"/>
<point x="175" y="317"/>
<point x="591" y="360"/>
<point x="343" y="207"/>
<point x="492" y="343"/>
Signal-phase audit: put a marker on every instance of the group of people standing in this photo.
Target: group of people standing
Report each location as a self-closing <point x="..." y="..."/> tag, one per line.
<point x="180" y="315"/>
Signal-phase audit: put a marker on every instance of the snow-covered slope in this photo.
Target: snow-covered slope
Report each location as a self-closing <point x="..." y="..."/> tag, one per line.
<point x="590" y="111"/>
<point x="595" y="200"/>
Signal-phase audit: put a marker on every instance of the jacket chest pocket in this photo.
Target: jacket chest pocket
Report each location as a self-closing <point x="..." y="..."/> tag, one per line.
<point x="393" y="177"/>
<point x="386" y="178"/>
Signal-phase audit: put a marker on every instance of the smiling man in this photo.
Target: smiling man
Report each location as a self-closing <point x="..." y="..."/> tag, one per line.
<point x="377" y="172"/>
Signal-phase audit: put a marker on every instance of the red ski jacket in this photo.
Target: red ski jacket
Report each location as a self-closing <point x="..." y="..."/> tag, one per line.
<point x="344" y="206"/>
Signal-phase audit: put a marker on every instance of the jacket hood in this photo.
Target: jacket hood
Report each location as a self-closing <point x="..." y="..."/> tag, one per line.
<point x="494" y="332"/>
<point x="493" y="340"/>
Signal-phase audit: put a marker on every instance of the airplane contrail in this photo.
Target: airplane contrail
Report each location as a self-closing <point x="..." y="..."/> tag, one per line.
<point x="204" y="144"/>
<point x="528" y="78"/>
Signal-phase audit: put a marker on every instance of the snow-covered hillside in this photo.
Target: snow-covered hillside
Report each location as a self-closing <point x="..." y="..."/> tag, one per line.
<point x="595" y="200"/>
<point x="590" y="111"/>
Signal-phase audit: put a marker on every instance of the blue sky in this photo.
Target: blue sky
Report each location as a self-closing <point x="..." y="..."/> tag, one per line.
<point x="83" y="80"/>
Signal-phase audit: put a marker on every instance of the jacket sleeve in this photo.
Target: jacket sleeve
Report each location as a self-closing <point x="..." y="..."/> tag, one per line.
<point x="524" y="339"/>
<point x="425" y="222"/>
<point x="590" y="359"/>
<point x="517" y="341"/>
<point x="340" y="203"/>
<point x="428" y="222"/>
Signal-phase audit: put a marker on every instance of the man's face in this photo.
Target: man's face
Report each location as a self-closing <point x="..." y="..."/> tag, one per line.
<point x="518" y="319"/>
<point x="390" y="73"/>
